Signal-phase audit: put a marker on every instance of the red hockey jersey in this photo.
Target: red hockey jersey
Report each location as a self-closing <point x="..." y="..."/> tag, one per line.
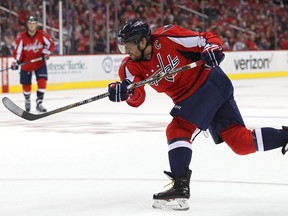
<point x="172" y="47"/>
<point x="28" y="48"/>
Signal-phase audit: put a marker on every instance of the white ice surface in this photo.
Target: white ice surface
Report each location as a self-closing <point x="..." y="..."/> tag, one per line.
<point x="108" y="159"/>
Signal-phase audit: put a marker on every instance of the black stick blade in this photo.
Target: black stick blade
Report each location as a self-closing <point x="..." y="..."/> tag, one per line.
<point x="12" y="107"/>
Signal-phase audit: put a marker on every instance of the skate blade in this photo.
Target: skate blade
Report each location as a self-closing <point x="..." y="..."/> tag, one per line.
<point x="172" y="204"/>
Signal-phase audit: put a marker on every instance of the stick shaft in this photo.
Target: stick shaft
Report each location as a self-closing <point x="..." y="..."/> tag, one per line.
<point x="11" y="106"/>
<point x="24" y="63"/>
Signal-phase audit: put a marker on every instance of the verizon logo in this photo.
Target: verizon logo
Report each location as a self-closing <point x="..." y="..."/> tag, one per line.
<point x="252" y="63"/>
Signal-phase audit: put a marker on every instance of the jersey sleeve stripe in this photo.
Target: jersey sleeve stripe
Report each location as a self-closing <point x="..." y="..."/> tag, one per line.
<point x="47" y="42"/>
<point x="128" y="74"/>
<point x="19" y="50"/>
<point x="189" y="42"/>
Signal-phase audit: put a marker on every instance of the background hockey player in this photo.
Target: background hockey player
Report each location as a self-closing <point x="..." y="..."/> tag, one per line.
<point x="33" y="44"/>
<point x="203" y="98"/>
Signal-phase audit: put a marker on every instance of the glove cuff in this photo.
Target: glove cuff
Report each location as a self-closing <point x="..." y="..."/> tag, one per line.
<point x="126" y="83"/>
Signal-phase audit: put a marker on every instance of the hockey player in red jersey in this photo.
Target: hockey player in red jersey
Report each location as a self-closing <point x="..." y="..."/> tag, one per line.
<point x="203" y="98"/>
<point x="33" y="44"/>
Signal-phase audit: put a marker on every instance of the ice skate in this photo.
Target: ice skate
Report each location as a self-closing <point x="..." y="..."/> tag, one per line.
<point x="40" y="108"/>
<point x="285" y="147"/>
<point x="175" y="198"/>
<point x="27" y="105"/>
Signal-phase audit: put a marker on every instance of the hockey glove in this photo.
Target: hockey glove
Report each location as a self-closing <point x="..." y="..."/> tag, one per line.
<point x="45" y="54"/>
<point x="118" y="91"/>
<point x="212" y="55"/>
<point x="15" y="65"/>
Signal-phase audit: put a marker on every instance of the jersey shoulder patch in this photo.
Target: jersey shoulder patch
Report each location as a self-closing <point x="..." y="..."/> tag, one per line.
<point x="166" y="28"/>
<point x="162" y="30"/>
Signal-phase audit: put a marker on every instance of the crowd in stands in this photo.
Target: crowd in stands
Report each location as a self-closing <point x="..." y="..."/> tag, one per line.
<point x="242" y="24"/>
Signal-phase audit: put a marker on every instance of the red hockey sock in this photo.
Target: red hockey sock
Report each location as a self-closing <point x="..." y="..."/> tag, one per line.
<point x="41" y="83"/>
<point x="239" y="139"/>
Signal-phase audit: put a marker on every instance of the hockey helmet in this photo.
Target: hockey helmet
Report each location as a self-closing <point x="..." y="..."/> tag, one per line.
<point x="134" y="30"/>
<point x="32" y="19"/>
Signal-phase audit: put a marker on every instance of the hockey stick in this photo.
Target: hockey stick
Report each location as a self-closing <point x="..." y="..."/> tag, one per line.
<point x="11" y="106"/>
<point x="24" y="63"/>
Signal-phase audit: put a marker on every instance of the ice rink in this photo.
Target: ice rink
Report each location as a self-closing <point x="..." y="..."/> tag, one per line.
<point x="108" y="159"/>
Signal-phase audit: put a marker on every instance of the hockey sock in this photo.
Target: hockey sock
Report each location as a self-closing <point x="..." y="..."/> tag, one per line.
<point x="40" y="96"/>
<point x="239" y="139"/>
<point x="26" y="91"/>
<point x="270" y="138"/>
<point x="41" y="90"/>
<point x="180" y="154"/>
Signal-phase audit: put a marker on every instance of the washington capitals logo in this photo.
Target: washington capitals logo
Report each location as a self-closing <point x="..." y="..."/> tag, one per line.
<point x="167" y="68"/>
<point x="35" y="47"/>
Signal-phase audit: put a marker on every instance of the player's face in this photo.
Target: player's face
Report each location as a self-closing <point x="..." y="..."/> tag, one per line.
<point x="32" y="27"/>
<point x="130" y="48"/>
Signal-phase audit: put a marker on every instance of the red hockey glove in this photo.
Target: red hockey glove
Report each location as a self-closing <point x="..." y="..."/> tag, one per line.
<point x="118" y="91"/>
<point x="15" y="65"/>
<point x="212" y="55"/>
<point x="45" y="54"/>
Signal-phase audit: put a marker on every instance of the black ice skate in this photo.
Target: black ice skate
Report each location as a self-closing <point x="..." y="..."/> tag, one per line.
<point x="175" y="198"/>
<point x="40" y="108"/>
<point x="285" y="147"/>
<point x="27" y="105"/>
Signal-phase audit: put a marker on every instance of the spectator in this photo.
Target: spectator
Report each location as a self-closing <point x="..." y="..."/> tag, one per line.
<point x="226" y="18"/>
<point x="239" y="45"/>
<point x="283" y="41"/>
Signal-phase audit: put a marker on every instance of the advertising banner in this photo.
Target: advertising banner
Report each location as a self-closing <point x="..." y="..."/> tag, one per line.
<point x="85" y="71"/>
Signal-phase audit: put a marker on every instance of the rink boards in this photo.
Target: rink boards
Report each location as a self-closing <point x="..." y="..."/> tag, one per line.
<point x="91" y="71"/>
